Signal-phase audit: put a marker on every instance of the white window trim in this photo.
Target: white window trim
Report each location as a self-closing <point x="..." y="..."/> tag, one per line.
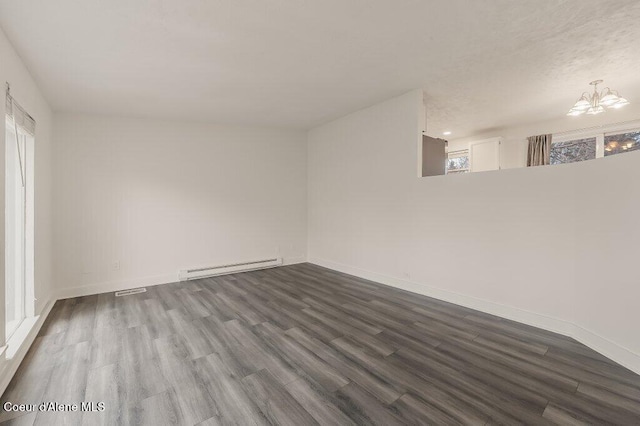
<point x="29" y="300"/>
<point x="457" y="154"/>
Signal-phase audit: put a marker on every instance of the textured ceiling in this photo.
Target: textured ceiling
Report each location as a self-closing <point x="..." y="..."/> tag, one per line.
<point x="482" y="63"/>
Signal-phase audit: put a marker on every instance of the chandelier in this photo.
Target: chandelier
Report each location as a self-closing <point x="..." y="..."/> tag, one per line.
<point x="596" y="102"/>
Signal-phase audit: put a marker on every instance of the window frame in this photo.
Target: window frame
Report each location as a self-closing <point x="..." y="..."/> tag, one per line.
<point x="458" y="154"/>
<point x="597" y="132"/>
<point x="26" y="290"/>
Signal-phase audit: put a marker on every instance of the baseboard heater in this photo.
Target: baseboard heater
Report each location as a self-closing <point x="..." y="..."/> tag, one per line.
<point x="210" y="271"/>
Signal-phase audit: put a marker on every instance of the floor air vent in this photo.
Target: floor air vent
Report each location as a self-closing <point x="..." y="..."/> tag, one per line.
<point x="129" y="292"/>
<point x="210" y="271"/>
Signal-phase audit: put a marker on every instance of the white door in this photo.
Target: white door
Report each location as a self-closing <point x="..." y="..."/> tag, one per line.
<point x="484" y="155"/>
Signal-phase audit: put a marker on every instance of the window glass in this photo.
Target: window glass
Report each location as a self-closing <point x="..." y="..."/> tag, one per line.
<point x="572" y="151"/>
<point x="458" y="162"/>
<point x="623" y="142"/>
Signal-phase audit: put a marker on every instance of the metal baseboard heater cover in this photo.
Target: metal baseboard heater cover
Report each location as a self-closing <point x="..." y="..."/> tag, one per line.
<point x="131" y="291"/>
<point x="210" y="271"/>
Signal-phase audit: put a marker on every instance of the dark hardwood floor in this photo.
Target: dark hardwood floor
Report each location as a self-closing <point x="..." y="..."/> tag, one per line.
<point x="302" y="345"/>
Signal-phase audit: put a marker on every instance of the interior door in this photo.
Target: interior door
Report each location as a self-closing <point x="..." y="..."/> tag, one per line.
<point x="484" y="155"/>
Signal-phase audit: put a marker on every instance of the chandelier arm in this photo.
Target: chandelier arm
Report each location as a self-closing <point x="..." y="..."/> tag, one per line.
<point x="605" y="92"/>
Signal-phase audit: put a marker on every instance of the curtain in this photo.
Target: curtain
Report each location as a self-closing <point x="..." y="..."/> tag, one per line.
<point x="539" y="150"/>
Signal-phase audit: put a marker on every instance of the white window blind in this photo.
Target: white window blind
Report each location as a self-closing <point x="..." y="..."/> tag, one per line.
<point x="458" y="154"/>
<point x="18" y="208"/>
<point x="19" y="116"/>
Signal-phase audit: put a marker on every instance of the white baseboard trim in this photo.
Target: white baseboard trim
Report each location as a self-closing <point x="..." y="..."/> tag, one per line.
<point x="530" y="318"/>
<point x="293" y="260"/>
<point x="10" y="364"/>
<point x="611" y="350"/>
<point x="606" y="347"/>
<point x="110" y="286"/>
<point x="128" y="284"/>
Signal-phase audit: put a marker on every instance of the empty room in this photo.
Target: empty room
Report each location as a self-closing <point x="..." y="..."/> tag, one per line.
<point x="320" y="212"/>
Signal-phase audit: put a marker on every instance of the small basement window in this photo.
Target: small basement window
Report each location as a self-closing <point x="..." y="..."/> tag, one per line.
<point x="458" y="162"/>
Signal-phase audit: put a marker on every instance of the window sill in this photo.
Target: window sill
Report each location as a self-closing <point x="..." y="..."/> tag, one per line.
<point x="12" y="354"/>
<point x="19" y="336"/>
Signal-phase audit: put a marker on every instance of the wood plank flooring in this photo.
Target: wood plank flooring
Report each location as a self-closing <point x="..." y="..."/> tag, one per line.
<point x="304" y="345"/>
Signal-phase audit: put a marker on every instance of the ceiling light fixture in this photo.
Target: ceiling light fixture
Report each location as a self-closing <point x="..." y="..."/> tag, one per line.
<point x="594" y="103"/>
<point x="447" y="133"/>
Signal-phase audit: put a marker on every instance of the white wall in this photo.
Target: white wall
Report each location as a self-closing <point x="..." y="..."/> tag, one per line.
<point x="607" y="247"/>
<point x="26" y="92"/>
<point x="138" y="200"/>
<point x="528" y="244"/>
